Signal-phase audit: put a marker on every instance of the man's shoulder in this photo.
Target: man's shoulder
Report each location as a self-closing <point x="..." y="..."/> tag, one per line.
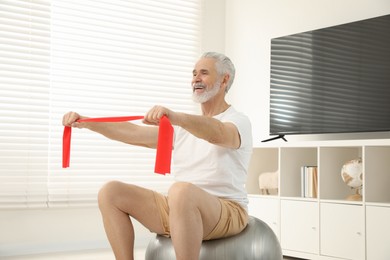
<point x="236" y="116"/>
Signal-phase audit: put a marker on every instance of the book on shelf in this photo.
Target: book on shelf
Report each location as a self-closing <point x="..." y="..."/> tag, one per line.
<point x="309" y="182"/>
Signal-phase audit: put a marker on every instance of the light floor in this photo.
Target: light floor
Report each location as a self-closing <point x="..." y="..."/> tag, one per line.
<point x="86" y="255"/>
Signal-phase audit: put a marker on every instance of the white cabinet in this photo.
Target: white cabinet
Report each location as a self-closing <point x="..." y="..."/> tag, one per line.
<point x="342" y="231"/>
<point x="299" y="226"/>
<point x="378" y="232"/>
<point x="327" y="226"/>
<point x="266" y="209"/>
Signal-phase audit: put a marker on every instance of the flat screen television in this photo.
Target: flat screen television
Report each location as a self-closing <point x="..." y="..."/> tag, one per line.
<point x="331" y="80"/>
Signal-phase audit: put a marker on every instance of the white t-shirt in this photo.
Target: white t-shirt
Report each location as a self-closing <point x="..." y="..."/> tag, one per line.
<point x="218" y="170"/>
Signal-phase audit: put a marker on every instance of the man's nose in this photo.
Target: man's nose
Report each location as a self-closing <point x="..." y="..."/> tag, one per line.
<point x="196" y="79"/>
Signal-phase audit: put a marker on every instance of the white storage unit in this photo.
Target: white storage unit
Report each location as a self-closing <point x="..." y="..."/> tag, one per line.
<point x="327" y="226"/>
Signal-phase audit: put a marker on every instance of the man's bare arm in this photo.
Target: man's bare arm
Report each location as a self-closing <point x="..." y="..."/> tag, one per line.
<point x="210" y="129"/>
<point x="125" y="132"/>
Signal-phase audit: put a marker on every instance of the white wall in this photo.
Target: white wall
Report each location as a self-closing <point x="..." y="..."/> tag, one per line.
<point x="250" y="25"/>
<point x="213" y="25"/>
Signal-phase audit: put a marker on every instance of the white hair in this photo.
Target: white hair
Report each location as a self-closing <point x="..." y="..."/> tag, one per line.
<point x="223" y="66"/>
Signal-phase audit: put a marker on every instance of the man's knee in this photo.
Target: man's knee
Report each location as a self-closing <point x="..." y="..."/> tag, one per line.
<point x="108" y="192"/>
<point x="180" y="189"/>
<point x="181" y="194"/>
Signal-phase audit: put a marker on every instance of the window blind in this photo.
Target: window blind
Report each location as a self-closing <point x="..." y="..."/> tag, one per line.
<point x="107" y="58"/>
<point x="24" y="102"/>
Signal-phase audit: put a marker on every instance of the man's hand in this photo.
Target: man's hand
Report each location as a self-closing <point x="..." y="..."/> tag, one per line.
<point x="70" y="118"/>
<point x="154" y="115"/>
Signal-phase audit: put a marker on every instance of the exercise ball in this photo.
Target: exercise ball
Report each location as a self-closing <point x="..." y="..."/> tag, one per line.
<point x="256" y="241"/>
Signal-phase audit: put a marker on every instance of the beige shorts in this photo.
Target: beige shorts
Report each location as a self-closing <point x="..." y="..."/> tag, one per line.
<point x="233" y="220"/>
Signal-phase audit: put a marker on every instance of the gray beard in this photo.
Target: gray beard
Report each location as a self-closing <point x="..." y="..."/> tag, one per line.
<point x="206" y="95"/>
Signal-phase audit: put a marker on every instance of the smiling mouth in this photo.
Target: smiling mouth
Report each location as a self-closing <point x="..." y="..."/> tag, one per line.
<point x="198" y="86"/>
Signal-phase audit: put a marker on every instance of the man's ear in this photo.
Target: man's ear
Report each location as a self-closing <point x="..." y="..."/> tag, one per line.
<point x="225" y="81"/>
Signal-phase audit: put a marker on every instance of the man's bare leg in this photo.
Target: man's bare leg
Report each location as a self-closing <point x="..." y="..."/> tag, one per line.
<point x="116" y="202"/>
<point x="193" y="213"/>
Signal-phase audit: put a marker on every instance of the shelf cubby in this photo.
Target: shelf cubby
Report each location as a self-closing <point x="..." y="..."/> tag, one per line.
<point x="263" y="160"/>
<point x="291" y="161"/>
<point x="377" y="174"/>
<point x="332" y="159"/>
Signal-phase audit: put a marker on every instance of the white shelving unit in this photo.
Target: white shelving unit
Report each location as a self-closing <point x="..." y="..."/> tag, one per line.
<point x="328" y="226"/>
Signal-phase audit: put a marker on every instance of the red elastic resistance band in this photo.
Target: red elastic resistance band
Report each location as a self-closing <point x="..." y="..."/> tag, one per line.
<point x="164" y="143"/>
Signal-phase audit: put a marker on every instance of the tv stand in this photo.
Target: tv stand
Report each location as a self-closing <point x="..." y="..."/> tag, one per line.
<point x="275" y="138"/>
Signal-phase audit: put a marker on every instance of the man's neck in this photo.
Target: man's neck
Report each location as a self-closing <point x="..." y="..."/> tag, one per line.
<point x="213" y="107"/>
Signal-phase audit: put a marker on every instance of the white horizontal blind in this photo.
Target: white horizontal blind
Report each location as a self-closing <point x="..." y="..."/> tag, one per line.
<point x="99" y="58"/>
<point x="24" y="102"/>
<point x="115" y="58"/>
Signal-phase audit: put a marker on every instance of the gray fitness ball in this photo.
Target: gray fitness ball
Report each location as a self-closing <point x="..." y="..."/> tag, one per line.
<point x="256" y="241"/>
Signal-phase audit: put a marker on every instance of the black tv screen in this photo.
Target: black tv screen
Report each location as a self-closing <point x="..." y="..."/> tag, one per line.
<point x="332" y="80"/>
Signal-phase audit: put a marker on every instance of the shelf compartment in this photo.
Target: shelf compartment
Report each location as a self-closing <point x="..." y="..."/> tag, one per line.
<point x="332" y="159"/>
<point x="291" y="161"/>
<point x="377" y="177"/>
<point x="263" y="160"/>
